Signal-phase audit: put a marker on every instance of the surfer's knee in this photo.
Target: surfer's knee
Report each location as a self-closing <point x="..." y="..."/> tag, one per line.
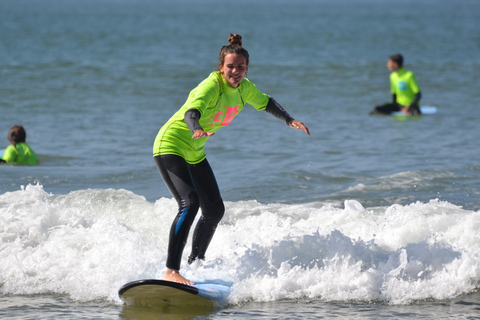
<point x="187" y="211"/>
<point x="214" y="212"/>
<point x="191" y="202"/>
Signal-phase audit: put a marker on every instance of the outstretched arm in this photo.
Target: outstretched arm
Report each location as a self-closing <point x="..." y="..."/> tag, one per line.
<point x="276" y="110"/>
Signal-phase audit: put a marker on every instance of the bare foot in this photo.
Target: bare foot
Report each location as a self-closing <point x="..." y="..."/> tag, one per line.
<point x="174" y="276"/>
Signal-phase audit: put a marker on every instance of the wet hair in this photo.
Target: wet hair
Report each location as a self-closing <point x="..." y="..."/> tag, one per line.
<point x="16" y="135"/>
<point x="398" y="59"/>
<point x="235" y="46"/>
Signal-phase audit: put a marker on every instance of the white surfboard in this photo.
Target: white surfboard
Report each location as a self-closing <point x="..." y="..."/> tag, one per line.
<point x="423" y="109"/>
<point x="155" y="292"/>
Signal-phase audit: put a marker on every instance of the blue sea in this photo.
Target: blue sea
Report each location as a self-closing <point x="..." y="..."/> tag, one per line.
<point x="370" y="217"/>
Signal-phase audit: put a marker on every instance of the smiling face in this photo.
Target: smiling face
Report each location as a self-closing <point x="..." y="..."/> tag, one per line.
<point x="234" y="69"/>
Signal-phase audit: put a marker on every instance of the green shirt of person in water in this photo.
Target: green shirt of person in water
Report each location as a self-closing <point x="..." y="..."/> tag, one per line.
<point x="19" y="152"/>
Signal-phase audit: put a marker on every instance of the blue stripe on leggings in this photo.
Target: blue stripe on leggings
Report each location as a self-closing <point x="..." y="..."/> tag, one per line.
<point x="180" y="220"/>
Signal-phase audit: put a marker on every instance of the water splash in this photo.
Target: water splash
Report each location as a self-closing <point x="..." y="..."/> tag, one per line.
<point x="88" y="243"/>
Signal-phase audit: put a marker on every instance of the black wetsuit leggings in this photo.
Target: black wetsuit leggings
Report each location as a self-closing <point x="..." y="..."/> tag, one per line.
<point x="193" y="186"/>
<point x="393" y="107"/>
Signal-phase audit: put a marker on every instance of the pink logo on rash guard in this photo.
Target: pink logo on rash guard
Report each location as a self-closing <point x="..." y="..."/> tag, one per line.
<point x="227" y="116"/>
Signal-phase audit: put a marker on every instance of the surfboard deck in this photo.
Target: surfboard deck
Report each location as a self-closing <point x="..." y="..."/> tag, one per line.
<point x="152" y="292"/>
<point x="423" y="109"/>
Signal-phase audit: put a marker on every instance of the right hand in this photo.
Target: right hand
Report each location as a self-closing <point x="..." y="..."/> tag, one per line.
<point x="406" y="110"/>
<point x="202" y="134"/>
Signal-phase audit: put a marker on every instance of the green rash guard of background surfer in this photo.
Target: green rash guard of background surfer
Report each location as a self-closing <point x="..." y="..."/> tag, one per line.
<point x="405" y="87"/>
<point x="19" y="152"/>
<point x="179" y="151"/>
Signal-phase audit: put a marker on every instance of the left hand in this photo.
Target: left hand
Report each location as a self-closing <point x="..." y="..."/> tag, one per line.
<point x="299" y="126"/>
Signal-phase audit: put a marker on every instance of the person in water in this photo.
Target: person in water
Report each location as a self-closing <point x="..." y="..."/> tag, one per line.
<point x="18" y="152"/>
<point x="179" y="150"/>
<point x="404" y="87"/>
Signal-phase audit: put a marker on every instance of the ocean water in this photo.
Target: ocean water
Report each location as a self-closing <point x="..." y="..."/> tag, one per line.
<point x="369" y="217"/>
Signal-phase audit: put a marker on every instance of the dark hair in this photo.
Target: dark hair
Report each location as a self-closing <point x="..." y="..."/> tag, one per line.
<point x="235" y="46"/>
<point x="16" y="135"/>
<point x="398" y="59"/>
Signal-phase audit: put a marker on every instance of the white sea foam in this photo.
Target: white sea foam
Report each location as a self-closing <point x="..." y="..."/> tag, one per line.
<point x="88" y="243"/>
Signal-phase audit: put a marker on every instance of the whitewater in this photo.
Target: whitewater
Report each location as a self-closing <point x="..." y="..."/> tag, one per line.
<point x="88" y="243"/>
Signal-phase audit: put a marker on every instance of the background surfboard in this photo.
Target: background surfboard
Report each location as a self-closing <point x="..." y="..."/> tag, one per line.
<point x="424" y="109"/>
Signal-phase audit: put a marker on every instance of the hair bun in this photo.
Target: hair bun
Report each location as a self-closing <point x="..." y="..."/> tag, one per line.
<point x="235" y="39"/>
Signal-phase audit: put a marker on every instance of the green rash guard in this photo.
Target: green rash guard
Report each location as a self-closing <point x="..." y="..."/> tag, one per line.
<point x="218" y="103"/>
<point x="21" y="153"/>
<point x="404" y="86"/>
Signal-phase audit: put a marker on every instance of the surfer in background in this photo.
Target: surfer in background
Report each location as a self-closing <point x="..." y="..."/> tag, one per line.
<point x="18" y="152"/>
<point x="179" y="150"/>
<point x="404" y="88"/>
